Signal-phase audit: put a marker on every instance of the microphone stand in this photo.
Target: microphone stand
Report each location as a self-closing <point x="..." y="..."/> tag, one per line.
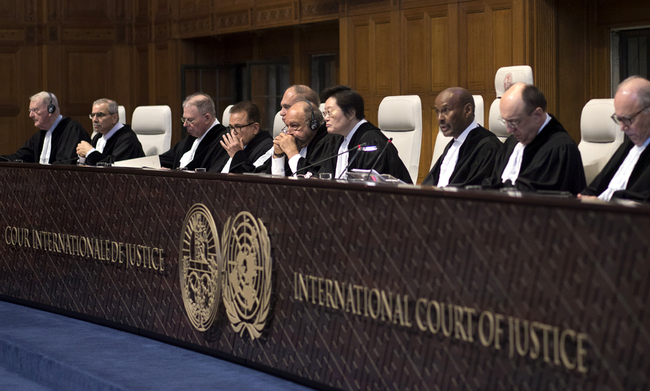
<point x="390" y="141"/>
<point x="358" y="147"/>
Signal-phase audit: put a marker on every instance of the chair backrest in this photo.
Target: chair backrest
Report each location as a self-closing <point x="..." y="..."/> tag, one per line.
<point x="506" y="77"/>
<point x="599" y="136"/>
<point x="278" y="124"/>
<point x="121" y="113"/>
<point x="225" y="118"/>
<point x="442" y="141"/>
<point x="153" y="125"/>
<point x="400" y="117"/>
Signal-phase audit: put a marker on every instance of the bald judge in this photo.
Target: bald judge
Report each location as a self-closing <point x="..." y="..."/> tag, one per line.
<point x="469" y="158"/>
<point x="539" y="154"/>
<point x="627" y="174"/>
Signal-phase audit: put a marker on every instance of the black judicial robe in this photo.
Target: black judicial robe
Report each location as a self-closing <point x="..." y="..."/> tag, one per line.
<point x="312" y="149"/>
<point x="389" y="162"/>
<point x="65" y="137"/>
<point x="122" y="145"/>
<point x="551" y="162"/>
<point x="243" y="160"/>
<point x="475" y="159"/>
<point x="638" y="186"/>
<point x="206" y="152"/>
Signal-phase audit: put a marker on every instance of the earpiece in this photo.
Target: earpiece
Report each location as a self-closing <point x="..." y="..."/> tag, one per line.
<point x="313" y="123"/>
<point x="51" y="108"/>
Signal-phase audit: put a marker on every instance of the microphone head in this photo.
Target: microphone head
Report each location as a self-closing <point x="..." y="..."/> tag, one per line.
<point x="369" y="148"/>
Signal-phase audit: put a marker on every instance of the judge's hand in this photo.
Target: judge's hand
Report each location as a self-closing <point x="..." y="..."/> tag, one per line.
<point x="587" y="197"/>
<point x="277" y="150"/>
<point x="232" y="144"/>
<point x="287" y="143"/>
<point x="83" y="147"/>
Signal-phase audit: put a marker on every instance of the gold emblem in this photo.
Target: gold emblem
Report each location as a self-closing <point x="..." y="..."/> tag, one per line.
<point x="247" y="279"/>
<point x="200" y="266"/>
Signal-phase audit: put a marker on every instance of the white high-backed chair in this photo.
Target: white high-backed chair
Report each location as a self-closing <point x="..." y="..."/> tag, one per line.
<point x="225" y="118"/>
<point x="504" y="78"/>
<point x="153" y="125"/>
<point x="400" y="117"/>
<point x="121" y="113"/>
<point x="278" y="124"/>
<point x="442" y="141"/>
<point x="599" y="136"/>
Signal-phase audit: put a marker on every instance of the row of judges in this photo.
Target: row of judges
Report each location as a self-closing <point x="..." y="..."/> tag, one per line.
<point x="538" y="156"/>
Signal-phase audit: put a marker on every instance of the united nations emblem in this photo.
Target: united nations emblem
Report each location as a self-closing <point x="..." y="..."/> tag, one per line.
<point x="200" y="265"/>
<point x="247" y="278"/>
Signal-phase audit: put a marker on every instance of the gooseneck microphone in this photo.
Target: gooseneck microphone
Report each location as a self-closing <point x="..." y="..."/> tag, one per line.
<point x="390" y="141"/>
<point x="358" y="147"/>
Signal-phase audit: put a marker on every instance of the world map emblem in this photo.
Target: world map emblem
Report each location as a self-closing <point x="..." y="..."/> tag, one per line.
<point x="200" y="265"/>
<point x="247" y="277"/>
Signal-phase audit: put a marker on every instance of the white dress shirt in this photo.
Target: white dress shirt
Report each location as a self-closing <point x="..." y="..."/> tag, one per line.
<point x="622" y="176"/>
<point x="342" y="159"/>
<point x="47" y="142"/>
<point x="451" y="158"/>
<point x="189" y="155"/>
<point x="511" y="172"/>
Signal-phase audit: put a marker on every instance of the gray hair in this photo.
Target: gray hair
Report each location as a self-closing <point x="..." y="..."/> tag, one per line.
<point x="46" y="98"/>
<point x="203" y="103"/>
<point x="112" y="105"/>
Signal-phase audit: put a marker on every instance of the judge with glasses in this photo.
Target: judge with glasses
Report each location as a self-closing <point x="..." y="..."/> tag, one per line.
<point x="627" y="174"/>
<point x="201" y="147"/>
<point x="246" y="148"/>
<point x="113" y="141"/>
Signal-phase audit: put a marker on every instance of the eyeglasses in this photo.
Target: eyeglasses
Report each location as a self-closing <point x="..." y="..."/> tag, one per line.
<point x="190" y="121"/>
<point x="328" y="113"/>
<point x="514" y="124"/>
<point x="35" y="110"/>
<point x="237" y="128"/>
<point x="510" y="124"/>
<point x="626" y="121"/>
<point x="99" y="115"/>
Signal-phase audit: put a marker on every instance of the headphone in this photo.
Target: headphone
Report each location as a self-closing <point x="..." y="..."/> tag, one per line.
<point x="51" y="108"/>
<point x="313" y="122"/>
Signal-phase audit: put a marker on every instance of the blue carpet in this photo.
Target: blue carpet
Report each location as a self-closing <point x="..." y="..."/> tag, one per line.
<point x="42" y="351"/>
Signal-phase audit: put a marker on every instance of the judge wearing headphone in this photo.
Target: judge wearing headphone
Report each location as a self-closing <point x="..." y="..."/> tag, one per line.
<point x="294" y="148"/>
<point x="57" y="138"/>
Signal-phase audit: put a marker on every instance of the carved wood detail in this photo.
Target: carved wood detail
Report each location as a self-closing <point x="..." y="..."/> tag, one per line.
<point x="88" y="34"/>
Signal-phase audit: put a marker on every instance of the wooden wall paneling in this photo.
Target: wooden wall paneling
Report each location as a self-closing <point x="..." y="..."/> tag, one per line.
<point x="87" y="12"/>
<point x="474" y="46"/>
<point x="142" y="74"/>
<point x="573" y="65"/>
<point x="88" y="71"/>
<point x="322" y="38"/>
<point x="370" y="7"/>
<point x="276" y="13"/>
<point x="166" y="79"/>
<point x="12" y="12"/>
<point x="10" y="102"/>
<point x="345" y="45"/>
<point x="544" y="48"/>
<point x="121" y="82"/>
<point x="319" y="10"/>
<point x="359" y="53"/>
<point x="416" y="41"/>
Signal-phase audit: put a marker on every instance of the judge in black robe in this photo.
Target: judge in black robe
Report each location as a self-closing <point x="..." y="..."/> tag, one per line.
<point x="300" y="139"/>
<point x="455" y="113"/>
<point x="551" y="160"/>
<point x="476" y="159"/>
<point x="122" y="145"/>
<point x="246" y="148"/>
<point x="205" y="155"/>
<point x="344" y="118"/>
<point x="65" y="137"/>
<point x="638" y="185"/>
